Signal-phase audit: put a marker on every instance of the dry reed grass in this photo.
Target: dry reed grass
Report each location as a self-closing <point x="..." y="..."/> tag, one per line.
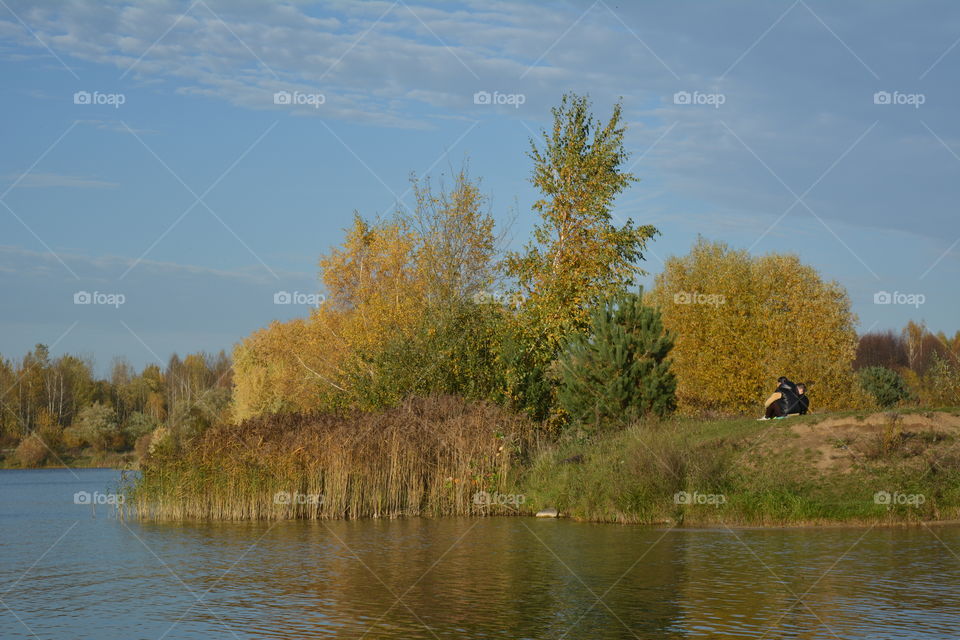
<point x="429" y="456"/>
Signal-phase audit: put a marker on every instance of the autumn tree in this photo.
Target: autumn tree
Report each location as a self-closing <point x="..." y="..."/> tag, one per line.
<point x="578" y="256"/>
<point x="456" y="238"/>
<point x="741" y="321"/>
<point x="393" y="288"/>
<point x="272" y="375"/>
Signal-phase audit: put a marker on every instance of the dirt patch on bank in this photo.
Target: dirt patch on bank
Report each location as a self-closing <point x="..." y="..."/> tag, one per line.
<point x="839" y="443"/>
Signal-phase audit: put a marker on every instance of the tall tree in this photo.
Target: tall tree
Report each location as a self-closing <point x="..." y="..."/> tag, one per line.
<point x="455" y="240"/>
<point x="578" y="256"/>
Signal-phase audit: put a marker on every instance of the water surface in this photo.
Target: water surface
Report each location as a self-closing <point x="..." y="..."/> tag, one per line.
<point x="74" y="571"/>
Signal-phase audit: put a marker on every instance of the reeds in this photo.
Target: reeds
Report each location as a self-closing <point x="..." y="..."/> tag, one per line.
<point x="429" y="456"/>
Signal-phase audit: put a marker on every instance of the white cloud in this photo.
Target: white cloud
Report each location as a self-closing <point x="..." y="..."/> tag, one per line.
<point x="798" y="96"/>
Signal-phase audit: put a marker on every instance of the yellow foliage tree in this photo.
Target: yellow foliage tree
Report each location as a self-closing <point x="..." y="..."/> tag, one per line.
<point x="380" y="283"/>
<point x="741" y="321"/>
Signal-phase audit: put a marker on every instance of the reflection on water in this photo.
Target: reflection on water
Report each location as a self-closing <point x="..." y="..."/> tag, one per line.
<point x="71" y="572"/>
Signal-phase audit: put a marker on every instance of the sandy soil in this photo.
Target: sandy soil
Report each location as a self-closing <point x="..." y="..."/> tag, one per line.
<point x="840" y="442"/>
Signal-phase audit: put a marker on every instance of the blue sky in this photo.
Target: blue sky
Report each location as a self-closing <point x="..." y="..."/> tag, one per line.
<point x="825" y="129"/>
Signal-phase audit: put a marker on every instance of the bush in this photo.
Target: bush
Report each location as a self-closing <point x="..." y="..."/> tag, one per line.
<point x="620" y="371"/>
<point x="142" y="446"/>
<point x="97" y="426"/>
<point x="138" y="425"/>
<point x="939" y="387"/>
<point x="742" y="320"/>
<point x="32" y="452"/>
<point x="451" y="350"/>
<point x="885" y="385"/>
<point x="73" y="438"/>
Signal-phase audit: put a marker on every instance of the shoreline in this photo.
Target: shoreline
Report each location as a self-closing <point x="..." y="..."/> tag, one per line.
<point x="717" y="527"/>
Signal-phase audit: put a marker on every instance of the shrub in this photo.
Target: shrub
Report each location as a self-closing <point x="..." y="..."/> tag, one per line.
<point x="619" y="371"/>
<point x="138" y="425"/>
<point x="741" y="321"/>
<point x="939" y="387"/>
<point x="97" y="426"/>
<point x="885" y="385"/>
<point x="452" y="350"/>
<point x="73" y="438"/>
<point x="142" y="446"/>
<point x="32" y="452"/>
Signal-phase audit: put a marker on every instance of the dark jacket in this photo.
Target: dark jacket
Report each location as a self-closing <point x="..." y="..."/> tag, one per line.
<point x="789" y="398"/>
<point x="803" y="404"/>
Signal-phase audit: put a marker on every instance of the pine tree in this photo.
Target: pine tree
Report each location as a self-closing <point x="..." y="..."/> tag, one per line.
<point x="620" y="370"/>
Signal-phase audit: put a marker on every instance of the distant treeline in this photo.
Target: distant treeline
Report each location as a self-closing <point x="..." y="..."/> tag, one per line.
<point x="55" y="410"/>
<point x="912" y="367"/>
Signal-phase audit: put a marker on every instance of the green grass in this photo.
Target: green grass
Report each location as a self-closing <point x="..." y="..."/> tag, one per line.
<point x="764" y="475"/>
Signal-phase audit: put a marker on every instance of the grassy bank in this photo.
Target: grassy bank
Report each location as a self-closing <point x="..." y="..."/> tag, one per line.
<point x="430" y="456"/>
<point x="836" y="468"/>
<point x="434" y="456"/>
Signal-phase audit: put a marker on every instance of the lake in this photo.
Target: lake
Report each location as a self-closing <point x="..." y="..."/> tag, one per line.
<point x="72" y="571"/>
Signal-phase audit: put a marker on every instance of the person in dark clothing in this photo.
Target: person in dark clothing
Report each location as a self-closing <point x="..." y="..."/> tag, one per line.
<point x="773" y="408"/>
<point x="803" y="400"/>
<point x="784" y="401"/>
<point x="789" y="398"/>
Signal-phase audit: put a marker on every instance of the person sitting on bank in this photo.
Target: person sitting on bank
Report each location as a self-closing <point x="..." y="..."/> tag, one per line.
<point x="783" y="401"/>
<point x="803" y="400"/>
